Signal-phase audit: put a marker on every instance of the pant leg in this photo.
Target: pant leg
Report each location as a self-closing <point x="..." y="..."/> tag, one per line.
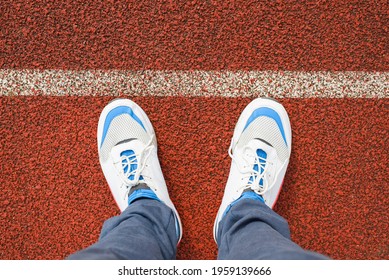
<point x="145" y="230"/>
<point x="251" y="230"/>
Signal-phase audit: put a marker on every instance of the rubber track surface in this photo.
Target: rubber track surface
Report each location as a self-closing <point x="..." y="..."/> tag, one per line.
<point x="208" y="35"/>
<point x="55" y="198"/>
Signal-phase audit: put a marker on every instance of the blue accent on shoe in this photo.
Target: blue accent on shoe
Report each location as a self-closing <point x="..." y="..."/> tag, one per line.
<point x="251" y="195"/>
<point x="263" y="155"/>
<point x="142" y="193"/>
<point x="117" y="112"/>
<point x="133" y="166"/>
<point x="245" y="195"/>
<point x="267" y="112"/>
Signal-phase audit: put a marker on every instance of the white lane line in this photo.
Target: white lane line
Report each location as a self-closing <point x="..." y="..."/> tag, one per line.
<point x="195" y="83"/>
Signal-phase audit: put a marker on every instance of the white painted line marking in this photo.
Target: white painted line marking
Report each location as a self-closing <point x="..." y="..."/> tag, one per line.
<point x="194" y="83"/>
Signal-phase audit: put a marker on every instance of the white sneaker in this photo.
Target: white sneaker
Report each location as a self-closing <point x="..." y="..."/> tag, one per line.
<point x="260" y="151"/>
<point x="127" y="148"/>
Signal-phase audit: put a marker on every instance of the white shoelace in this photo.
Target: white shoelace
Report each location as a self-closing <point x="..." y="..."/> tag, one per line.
<point x="248" y="171"/>
<point x="127" y="160"/>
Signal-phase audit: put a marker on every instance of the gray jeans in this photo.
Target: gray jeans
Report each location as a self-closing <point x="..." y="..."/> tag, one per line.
<point x="146" y="230"/>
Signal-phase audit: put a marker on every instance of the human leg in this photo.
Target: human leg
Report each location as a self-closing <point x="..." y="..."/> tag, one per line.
<point x="246" y="227"/>
<point x="145" y="230"/>
<point x="128" y="156"/>
<point x="252" y="230"/>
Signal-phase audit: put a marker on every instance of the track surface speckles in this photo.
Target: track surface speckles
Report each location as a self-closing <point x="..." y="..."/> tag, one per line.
<point x="335" y="195"/>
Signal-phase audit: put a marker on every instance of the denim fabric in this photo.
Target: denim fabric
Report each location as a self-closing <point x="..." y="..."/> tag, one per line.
<point x="253" y="231"/>
<point x="146" y="230"/>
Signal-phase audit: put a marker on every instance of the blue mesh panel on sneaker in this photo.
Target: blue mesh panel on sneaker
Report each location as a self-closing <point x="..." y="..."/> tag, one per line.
<point x="263" y="155"/>
<point x="133" y="166"/>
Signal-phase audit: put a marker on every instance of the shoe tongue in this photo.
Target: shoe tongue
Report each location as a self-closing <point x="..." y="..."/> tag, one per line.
<point x="262" y="159"/>
<point x="261" y="149"/>
<point x="256" y="144"/>
<point x="129" y="145"/>
<point x="129" y="162"/>
<point x="125" y="152"/>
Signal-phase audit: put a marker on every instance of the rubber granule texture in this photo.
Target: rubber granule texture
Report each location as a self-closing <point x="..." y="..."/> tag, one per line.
<point x="188" y="35"/>
<point x="55" y="198"/>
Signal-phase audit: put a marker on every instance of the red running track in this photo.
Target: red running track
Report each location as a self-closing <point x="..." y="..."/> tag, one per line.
<point x="208" y="35"/>
<point x="55" y="197"/>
